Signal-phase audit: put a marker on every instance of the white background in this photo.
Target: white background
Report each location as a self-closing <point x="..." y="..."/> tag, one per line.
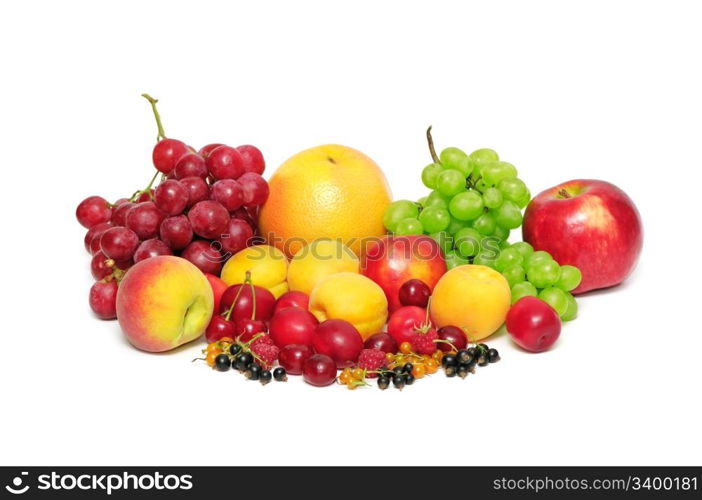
<point x="607" y="90"/>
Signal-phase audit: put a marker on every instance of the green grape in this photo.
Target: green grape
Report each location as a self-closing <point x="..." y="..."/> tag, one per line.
<point x="504" y="244"/>
<point x="508" y="215"/>
<point x="512" y="189"/>
<point x="481" y="185"/>
<point x="434" y="219"/>
<point x="494" y="172"/>
<point x="570" y="278"/>
<point x="572" y="311"/>
<point x="430" y="173"/>
<point x="444" y="240"/>
<point x="538" y="256"/>
<point x="508" y="257"/>
<point x="485" y="224"/>
<point x="450" y="182"/>
<point x="523" y="289"/>
<point x="408" y="227"/>
<point x="398" y="210"/>
<point x="468" y="242"/>
<point x="484" y="259"/>
<point x="456" y="225"/>
<point x="492" y="197"/>
<point x="436" y="199"/>
<point x="453" y="259"/>
<point x="544" y="273"/>
<point x="524" y="201"/>
<point x="514" y="274"/>
<point x="466" y="206"/>
<point x="422" y="201"/>
<point x="501" y="233"/>
<point x="523" y="248"/>
<point x="490" y="246"/>
<point x="480" y="157"/>
<point x="456" y="159"/>
<point x="556" y="298"/>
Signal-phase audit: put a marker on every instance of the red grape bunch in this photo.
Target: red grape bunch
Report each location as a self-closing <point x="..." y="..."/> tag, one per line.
<point x="204" y="209"/>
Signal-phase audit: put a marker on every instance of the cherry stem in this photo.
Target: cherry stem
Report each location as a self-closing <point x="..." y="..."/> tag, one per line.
<point x="161" y="133"/>
<point x="231" y="307"/>
<point x="253" y="294"/>
<point x="430" y="141"/>
<point x="447" y="342"/>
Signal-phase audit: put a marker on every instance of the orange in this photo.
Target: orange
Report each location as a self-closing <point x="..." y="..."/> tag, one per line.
<point x="328" y="191"/>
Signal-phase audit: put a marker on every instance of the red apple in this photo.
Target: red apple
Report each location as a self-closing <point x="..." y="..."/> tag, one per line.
<point x="392" y="260"/>
<point x="590" y="224"/>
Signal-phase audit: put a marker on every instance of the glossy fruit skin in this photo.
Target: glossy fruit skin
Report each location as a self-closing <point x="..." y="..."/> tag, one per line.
<point x="151" y="248"/>
<point x="381" y="341"/>
<point x="404" y="322"/>
<point x="225" y="162"/>
<point x="119" y="214"/>
<point x="237" y="236"/>
<point x="145" y="219"/>
<point x="119" y="243"/>
<point x="229" y="193"/>
<point x="243" y="309"/>
<point x="98" y="266"/>
<point x="296" y="299"/>
<point x="254" y="189"/>
<point x="92" y="211"/>
<point x="414" y="293"/>
<point x="533" y="324"/>
<point x="218" y="288"/>
<point x="319" y="370"/>
<point x="95" y="231"/>
<point x="207" y="149"/>
<point x="596" y="228"/>
<point x="253" y="159"/>
<point x="103" y="299"/>
<point x="453" y="334"/>
<point x="339" y="340"/>
<point x="198" y="190"/>
<point x="219" y="328"/>
<point x="292" y="357"/>
<point x="166" y="154"/>
<point x="204" y="256"/>
<point x="208" y="219"/>
<point x="176" y="232"/>
<point x="293" y="326"/>
<point x="171" y="197"/>
<point x="191" y="165"/>
<point x="246" y="328"/>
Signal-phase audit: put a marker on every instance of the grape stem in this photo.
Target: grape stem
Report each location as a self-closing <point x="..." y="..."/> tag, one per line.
<point x="147" y="189"/>
<point x="432" y="151"/>
<point x="161" y="133"/>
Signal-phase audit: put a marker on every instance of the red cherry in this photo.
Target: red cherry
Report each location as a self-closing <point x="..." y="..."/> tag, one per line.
<point x="382" y="342"/>
<point x="145" y="219"/>
<point x="533" y="324"/>
<point x="176" y="232"/>
<point x="452" y="334"/>
<point x="151" y="248"/>
<point x="225" y="162"/>
<point x="166" y="154"/>
<point x="190" y="165"/>
<point x="247" y="328"/>
<point x="103" y="299"/>
<point x="319" y="370"/>
<point x="339" y="340"/>
<point x="292" y="357"/>
<point x="414" y="293"/>
<point x="93" y="210"/>
<point x="292" y="299"/>
<point x="95" y="231"/>
<point x="204" y="256"/>
<point x="244" y="304"/>
<point x="292" y="326"/>
<point x="219" y="328"/>
<point x="253" y="159"/>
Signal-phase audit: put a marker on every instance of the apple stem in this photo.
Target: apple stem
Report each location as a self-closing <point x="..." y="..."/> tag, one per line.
<point x="161" y="133"/>
<point x="563" y="193"/>
<point x="432" y="151"/>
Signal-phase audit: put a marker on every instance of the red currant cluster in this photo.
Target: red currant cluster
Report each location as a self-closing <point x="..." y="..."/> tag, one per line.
<point x="205" y="209"/>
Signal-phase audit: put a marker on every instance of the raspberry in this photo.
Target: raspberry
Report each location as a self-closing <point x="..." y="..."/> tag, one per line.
<point x="267" y="354"/>
<point x="371" y="360"/>
<point x="263" y="340"/>
<point x="423" y="342"/>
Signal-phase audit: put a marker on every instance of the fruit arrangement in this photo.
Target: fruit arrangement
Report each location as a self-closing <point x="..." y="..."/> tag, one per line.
<point x="318" y="274"/>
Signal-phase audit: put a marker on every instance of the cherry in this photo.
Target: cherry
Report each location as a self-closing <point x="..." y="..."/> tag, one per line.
<point x="176" y="232"/>
<point x="236" y="236"/>
<point x="533" y="324"/>
<point x="103" y="299"/>
<point x="319" y="370"/>
<point x="219" y="328"/>
<point x="95" y="231"/>
<point x="229" y="193"/>
<point x="225" y="162"/>
<point x="151" y="248"/>
<point x="292" y="299"/>
<point x="253" y="159"/>
<point x="247" y="328"/>
<point x="339" y="340"/>
<point x="190" y="165"/>
<point x="382" y="342"/>
<point x="245" y="303"/>
<point x="204" y="256"/>
<point x="171" y="197"/>
<point x="292" y="357"/>
<point x="119" y="214"/>
<point x="145" y="219"/>
<point x="206" y="150"/>
<point x="93" y="210"/>
<point x="255" y="189"/>
<point x="119" y="243"/>
<point x="209" y="219"/>
<point x="198" y="190"/>
<point x="292" y="326"/>
<point x="454" y="335"/>
<point x="414" y="293"/>
<point x="101" y="266"/>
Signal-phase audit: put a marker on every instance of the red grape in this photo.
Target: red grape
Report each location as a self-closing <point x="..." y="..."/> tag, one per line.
<point x="229" y="193"/>
<point x="145" y="196"/>
<point x="190" y="165"/>
<point x="99" y="267"/>
<point x="93" y="210"/>
<point x="119" y="243"/>
<point x="198" y="190"/>
<point x="209" y="219"/>
<point x="144" y="219"/>
<point x="204" y="256"/>
<point x="94" y="231"/>
<point x="319" y="370"/>
<point x="225" y="162"/>
<point x="167" y="153"/>
<point x="253" y="159"/>
<point x="206" y="150"/>
<point x="171" y="197"/>
<point x="119" y="214"/>
<point x="176" y="232"/>
<point x="151" y="248"/>
<point x="414" y="293"/>
<point x="236" y="236"/>
<point x="255" y="189"/>
<point x="103" y="299"/>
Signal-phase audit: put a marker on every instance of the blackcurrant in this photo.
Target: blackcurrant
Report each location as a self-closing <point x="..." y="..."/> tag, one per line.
<point x="253" y="372"/>
<point x="449" y="360"/>
<point x="450" y="370"/>
<point x="398" y="380"/>
<point x="483" y="348"/>
<point x="280" y="374"/>
<point x="265" y="377"/>
<point x="399" y="370"/>
<point x="222" y="362"/>
<point x="464" y="356"/>
<point x="482" y="360"/>
<point x="407" y="368"/>
<point x="242" y="361"/>
<point x="383" y="382"/>
<point x="234" y="349"/>
<point x="463" y="370"/>
<point x="473" y="352"/>
<point x="409" y="378"/>
<point x="493" y="356"/>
